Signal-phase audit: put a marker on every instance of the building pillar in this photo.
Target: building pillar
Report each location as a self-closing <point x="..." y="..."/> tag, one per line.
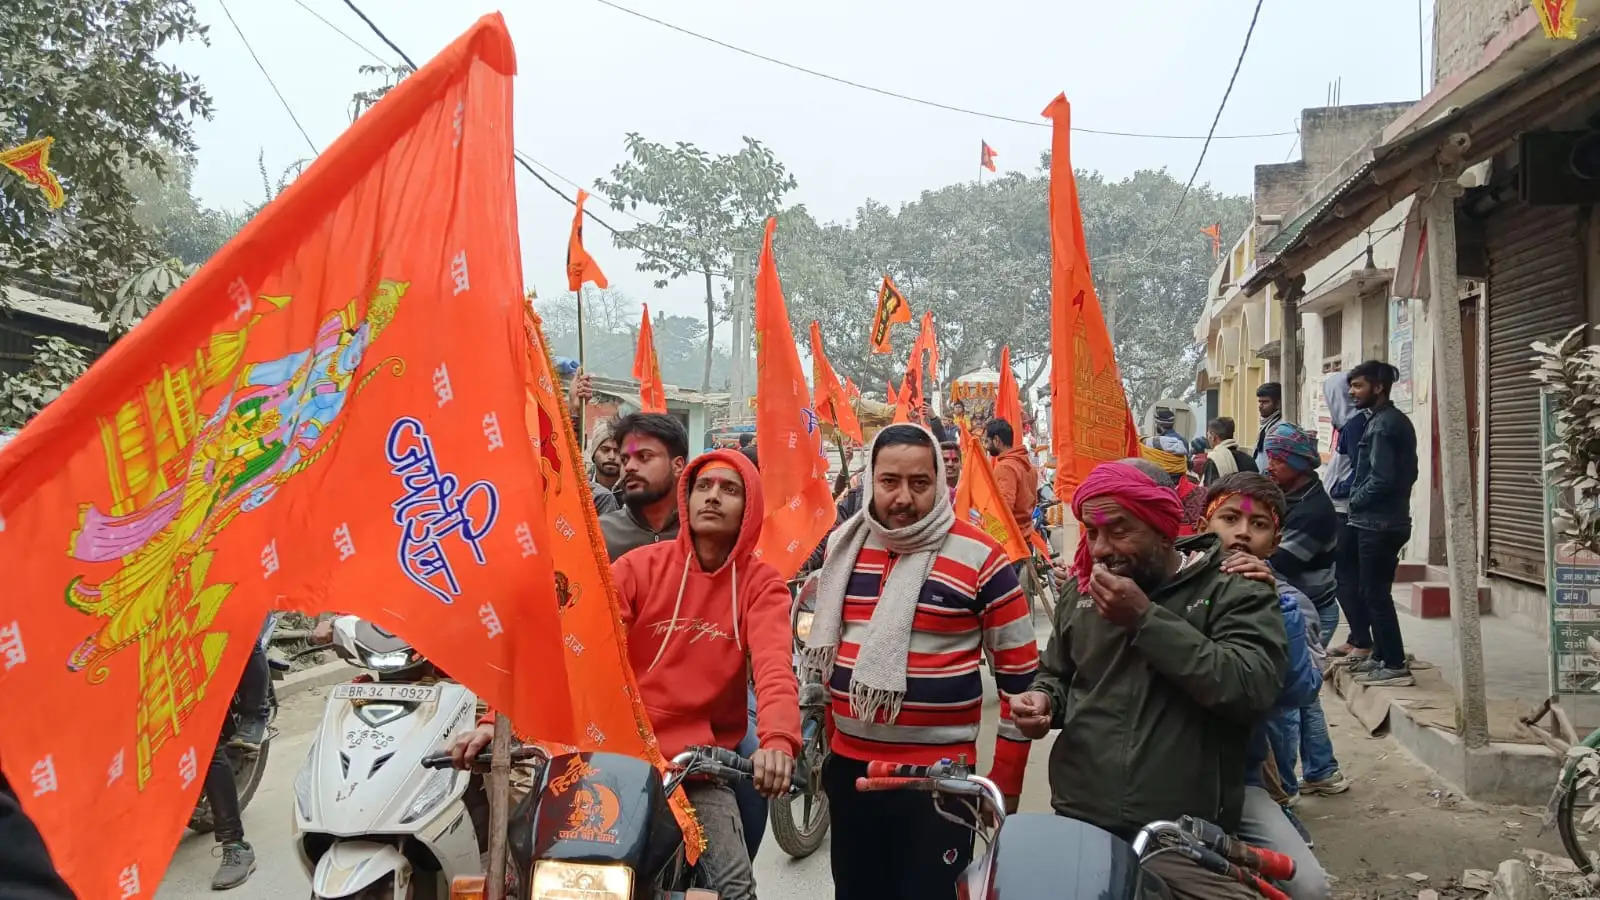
<point x="1450" y="393"/>
<point x="1290" y="291"/>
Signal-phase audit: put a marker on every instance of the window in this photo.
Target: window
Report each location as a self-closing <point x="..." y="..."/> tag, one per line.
<point x="1333" y="335"/>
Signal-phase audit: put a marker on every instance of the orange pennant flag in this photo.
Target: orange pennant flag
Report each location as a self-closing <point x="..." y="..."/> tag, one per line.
<point x="830" y="399"/>
<point x="591" y="621"/>
<point x="31" y="162"/>
<point x="1008" y="399"/>
<point x="652" y="393"/>
<point x="851" y="392"/>
<point x="1091" y="422"/>
<point x="978" y="500"/>
<point x="311" y="421"/>
<point x="927" y="342"/>
<point x="892" y="309"/>
<point x="1214" y="231"/>
<point x="794" y="473"/>
<point x="581" y="266"/>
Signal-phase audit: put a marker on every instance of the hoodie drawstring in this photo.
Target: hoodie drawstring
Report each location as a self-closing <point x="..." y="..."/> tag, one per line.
<point x="734" y="570"/>
<point x="672" y="623"/>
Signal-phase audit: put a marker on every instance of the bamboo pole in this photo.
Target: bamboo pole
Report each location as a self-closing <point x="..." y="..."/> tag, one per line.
<point x="499" y="805"/>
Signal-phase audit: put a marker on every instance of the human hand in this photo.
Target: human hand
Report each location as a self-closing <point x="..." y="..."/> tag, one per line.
<point x="1031" y="713"/>
<point x="1118" y="599"/>
<point x="468" y="744"/>
<point x="773" y="771"/>
<point x="322" y="633"/>
<point x="1062" y="570"/>
<point x="1250" y="566"/>
<point x="582" y="391"/>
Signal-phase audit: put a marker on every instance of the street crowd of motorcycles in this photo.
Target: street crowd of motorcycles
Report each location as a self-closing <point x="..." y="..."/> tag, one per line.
<point x="381" y="813"/>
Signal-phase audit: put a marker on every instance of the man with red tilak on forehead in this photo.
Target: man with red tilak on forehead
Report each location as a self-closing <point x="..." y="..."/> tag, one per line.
<point x="1159" y="667"/>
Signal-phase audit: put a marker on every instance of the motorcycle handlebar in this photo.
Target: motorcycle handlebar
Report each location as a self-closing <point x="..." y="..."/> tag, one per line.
<point x="879" y="769"/>
<point x="483" y="759"/>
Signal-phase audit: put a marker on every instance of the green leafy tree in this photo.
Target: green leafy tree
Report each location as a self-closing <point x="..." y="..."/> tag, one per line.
<point x="388" y="76"/>
<point x="611" y="333"/>
<point x="90" y="75"/>
<point x="704" y="206"/>
<point x="57" y="362"/>
<point x="183" y="228"/>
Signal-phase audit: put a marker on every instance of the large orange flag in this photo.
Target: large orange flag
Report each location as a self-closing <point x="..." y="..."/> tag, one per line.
<point x="581" y="266"/>
<point x="892" y="309"/>
<point x="978" y="500"/>
<point x="1008" y="399"/>
<point x="1090" y="422"/>
<point x="329" y="414"/>
<point x="794" y="473"/>
<point x="608" y="711"/>
<point x="652" y="393"/>
<point x="830" y="400"/>
<point x="927" y="342"/>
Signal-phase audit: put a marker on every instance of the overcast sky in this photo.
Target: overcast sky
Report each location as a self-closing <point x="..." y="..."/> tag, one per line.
<point x="588" y="74"/>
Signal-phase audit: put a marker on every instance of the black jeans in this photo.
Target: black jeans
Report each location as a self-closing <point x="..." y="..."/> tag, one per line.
<point x="892" y="844"/>
<point x="1347" y="575"/>
<point x="1378" y="554"/>
<point x="250" y="699"/>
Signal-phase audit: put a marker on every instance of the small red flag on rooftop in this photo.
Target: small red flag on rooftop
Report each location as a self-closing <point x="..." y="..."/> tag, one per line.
<point x="986" y="159"/>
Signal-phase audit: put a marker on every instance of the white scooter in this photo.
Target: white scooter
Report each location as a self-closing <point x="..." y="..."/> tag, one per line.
<point x="370" y="820"/>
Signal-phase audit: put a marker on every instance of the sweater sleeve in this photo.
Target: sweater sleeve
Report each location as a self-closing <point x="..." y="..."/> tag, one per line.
<point x="769" y="644"/>
<point x="1014" y="657"/>
<point x="1237" y="669"/>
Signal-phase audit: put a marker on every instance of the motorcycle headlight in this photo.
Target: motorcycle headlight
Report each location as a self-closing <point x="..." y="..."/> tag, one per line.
<point x="396" y="659"/>
<point x="556" y="880"/>
<point x="434" y="789"/>
<point x="802" y="626"/>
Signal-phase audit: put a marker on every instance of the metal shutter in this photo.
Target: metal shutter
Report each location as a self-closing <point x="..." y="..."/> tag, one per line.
<point x="1535" y="293"/>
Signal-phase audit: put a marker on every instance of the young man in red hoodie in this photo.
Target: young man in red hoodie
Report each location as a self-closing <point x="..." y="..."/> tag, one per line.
<point x="703" y="615"/>
<point x="1014" y="473"/>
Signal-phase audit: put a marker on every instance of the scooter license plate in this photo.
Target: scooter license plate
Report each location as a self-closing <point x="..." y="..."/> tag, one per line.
<point x="398" y="693"/>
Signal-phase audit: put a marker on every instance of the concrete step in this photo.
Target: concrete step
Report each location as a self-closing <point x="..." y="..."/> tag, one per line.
<point x="1431" y="599"/>
<point x="1411" y="572"/>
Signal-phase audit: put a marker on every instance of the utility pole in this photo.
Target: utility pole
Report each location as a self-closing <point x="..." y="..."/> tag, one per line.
<point x="741" y="383"/>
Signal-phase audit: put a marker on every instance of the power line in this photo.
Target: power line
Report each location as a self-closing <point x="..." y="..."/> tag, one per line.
<point x="268" y="76"/>
<point x="362" y="47"/>
<point x="922" y="101"/>
<point x="379" y="32"/>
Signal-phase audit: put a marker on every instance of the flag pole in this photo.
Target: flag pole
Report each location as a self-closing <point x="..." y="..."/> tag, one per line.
<point x="583" y="406"/>
<point x="499" y="805"/>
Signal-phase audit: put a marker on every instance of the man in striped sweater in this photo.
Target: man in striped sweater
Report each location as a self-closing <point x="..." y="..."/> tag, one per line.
<point x="909" y="600"/>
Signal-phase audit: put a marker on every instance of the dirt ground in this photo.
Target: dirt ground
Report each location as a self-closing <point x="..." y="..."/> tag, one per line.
<point x="1399" y="821"/>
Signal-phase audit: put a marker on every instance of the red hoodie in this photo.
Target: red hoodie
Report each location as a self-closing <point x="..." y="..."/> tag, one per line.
<point x="690" y="632"/>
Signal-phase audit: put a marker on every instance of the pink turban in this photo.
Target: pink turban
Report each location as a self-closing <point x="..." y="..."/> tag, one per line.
<point x="1155" y="505"/>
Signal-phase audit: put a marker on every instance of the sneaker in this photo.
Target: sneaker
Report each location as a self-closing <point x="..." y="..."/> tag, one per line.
<point x="250" y="734"/>
<point x="238" y="863"/>
<point x="1383" y="676"/>
<point x="1364" y="665"/>
<point x="1333" y="784"/>
<point x="1290" y="801"/>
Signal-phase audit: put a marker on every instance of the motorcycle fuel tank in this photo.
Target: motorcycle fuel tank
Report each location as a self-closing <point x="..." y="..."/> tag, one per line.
<point x="1042" y="855"/>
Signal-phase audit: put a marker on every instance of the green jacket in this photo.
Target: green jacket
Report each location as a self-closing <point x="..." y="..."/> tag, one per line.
<point x="1155" y="719"/>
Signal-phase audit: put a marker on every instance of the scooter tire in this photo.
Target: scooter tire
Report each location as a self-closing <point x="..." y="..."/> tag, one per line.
<point x="246" y="782"/>
<point x="795" y="839"/>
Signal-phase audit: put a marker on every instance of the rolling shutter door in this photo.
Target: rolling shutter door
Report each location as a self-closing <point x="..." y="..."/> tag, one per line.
<point x="1535" y="293"/>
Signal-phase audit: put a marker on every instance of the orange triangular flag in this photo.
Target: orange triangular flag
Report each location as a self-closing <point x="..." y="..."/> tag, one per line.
<point x="311" y="420"/>
<point x="1008" y="398"/>
<point x="978" y="500"/>
<point x="892" y="308"/>
<point x="31" y="161"/>
<point x="927" y="342"/>
<point x="794" y="473"/>
<point x="652" y="393"/>
<point x="1089" y="399"/>
<point x="830" y="399"/>
<point x="897" y="399"/>
<point x="591" y="621"/>
<point x="851" y="392"/>
<point x="581" y="266"/>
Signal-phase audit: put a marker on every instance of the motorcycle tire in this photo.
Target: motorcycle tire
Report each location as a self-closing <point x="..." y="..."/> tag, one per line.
<point x="1568" y="822"/>
<point x="246" y="779"/>
<point x="800" y="838"/>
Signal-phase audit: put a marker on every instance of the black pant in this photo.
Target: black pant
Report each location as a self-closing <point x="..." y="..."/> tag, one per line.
<point x="250" y="699"/>
<point x="892" y="844"/>
<point x="1378" y="555"/>
<point x="1347" y="575"/>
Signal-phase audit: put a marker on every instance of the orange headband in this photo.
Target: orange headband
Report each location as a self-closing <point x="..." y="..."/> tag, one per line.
<point x="718" y="466"/>
<point x="1214" y="502"/>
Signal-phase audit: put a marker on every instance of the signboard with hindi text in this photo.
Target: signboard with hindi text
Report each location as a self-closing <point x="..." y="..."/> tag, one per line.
<point x="1572" y="579"/>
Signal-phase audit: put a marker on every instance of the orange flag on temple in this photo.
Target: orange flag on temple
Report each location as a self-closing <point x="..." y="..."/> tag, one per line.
<point x="1008" y="398"/>
<point x="652" y="393"/>
<point x="892" y="309"/>
<point x="830" y="400"/>
<point x="1214" y="231"/>
<point x="311" y="421"/>
<point x="1091" y="422"/>
<point x="581" y="266"/>
<point x="592" y="636"/>
<point x="794" y="473"/>
<point x="978" y="500"/>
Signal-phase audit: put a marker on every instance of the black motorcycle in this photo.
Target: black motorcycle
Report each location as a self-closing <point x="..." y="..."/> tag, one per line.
<point x="800" y="821"/>
<point x="597" y="825"/>
<point x="1043" y="855"/>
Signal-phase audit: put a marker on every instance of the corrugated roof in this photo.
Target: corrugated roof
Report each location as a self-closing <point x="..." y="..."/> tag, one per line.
<point x="55" y="310"/>
<point x="1290" y="236"/>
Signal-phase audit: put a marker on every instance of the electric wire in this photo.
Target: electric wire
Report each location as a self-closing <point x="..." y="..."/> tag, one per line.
<point x="268" y="76"/>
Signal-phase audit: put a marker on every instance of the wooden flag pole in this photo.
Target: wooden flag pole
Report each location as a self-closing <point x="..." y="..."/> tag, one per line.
<point x="499" y="805"/>
<point x="583" y="405"/>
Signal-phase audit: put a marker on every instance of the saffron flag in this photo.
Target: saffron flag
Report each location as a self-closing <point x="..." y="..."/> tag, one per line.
<point x="986" y="156"/>
<point x="581" y="266"/>
<point x="329" y="414"/>
<point x="830" y="399"/>
<point x="1559" y="18"/>
<point x="899" y="398"/>
<point x="794" y="473"/>
<point x="978" y="500"/>
<point x="652" y="393"/>
<point x="1008" y="399"/>
<point x="1214" y="231"/>
<point x="1091" y="423"/>
<point x="851" y="392"/>
<point x="609" y="712"/>
<point x="31" y="162"/>
<point x="892" y="309"/>
<point x="927" y="343"/>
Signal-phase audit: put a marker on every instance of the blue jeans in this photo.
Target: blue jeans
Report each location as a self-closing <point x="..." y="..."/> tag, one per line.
<point x="1301" y="733"/>
<point x="1328" y="621"/>
<point x="752" y="806"/>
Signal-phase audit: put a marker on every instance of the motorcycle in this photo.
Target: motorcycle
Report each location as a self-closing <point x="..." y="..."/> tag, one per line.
<point x="800" y="821"/>
<point x="368" y="818"/>
<point x="597" y="825"/>
<point x="249" y="764"/>
<point x="1045" y="855"/>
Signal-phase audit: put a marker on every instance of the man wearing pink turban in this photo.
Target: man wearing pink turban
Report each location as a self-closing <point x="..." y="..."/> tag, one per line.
<point x="1159" y="667"/>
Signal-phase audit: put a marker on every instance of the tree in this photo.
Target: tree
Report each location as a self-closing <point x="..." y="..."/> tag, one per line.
<point x="361" y="101"/>
<point x="57" y="362"/>
<point x="705" y="206"/>
<point x="611" y="332"/>
<point x="166" y="207"/>
<point x="89" y="74"/>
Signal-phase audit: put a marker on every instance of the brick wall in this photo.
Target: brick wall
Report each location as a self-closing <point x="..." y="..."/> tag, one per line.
<point x="1461" y="28"/>
<point x="1330" y="138"/>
